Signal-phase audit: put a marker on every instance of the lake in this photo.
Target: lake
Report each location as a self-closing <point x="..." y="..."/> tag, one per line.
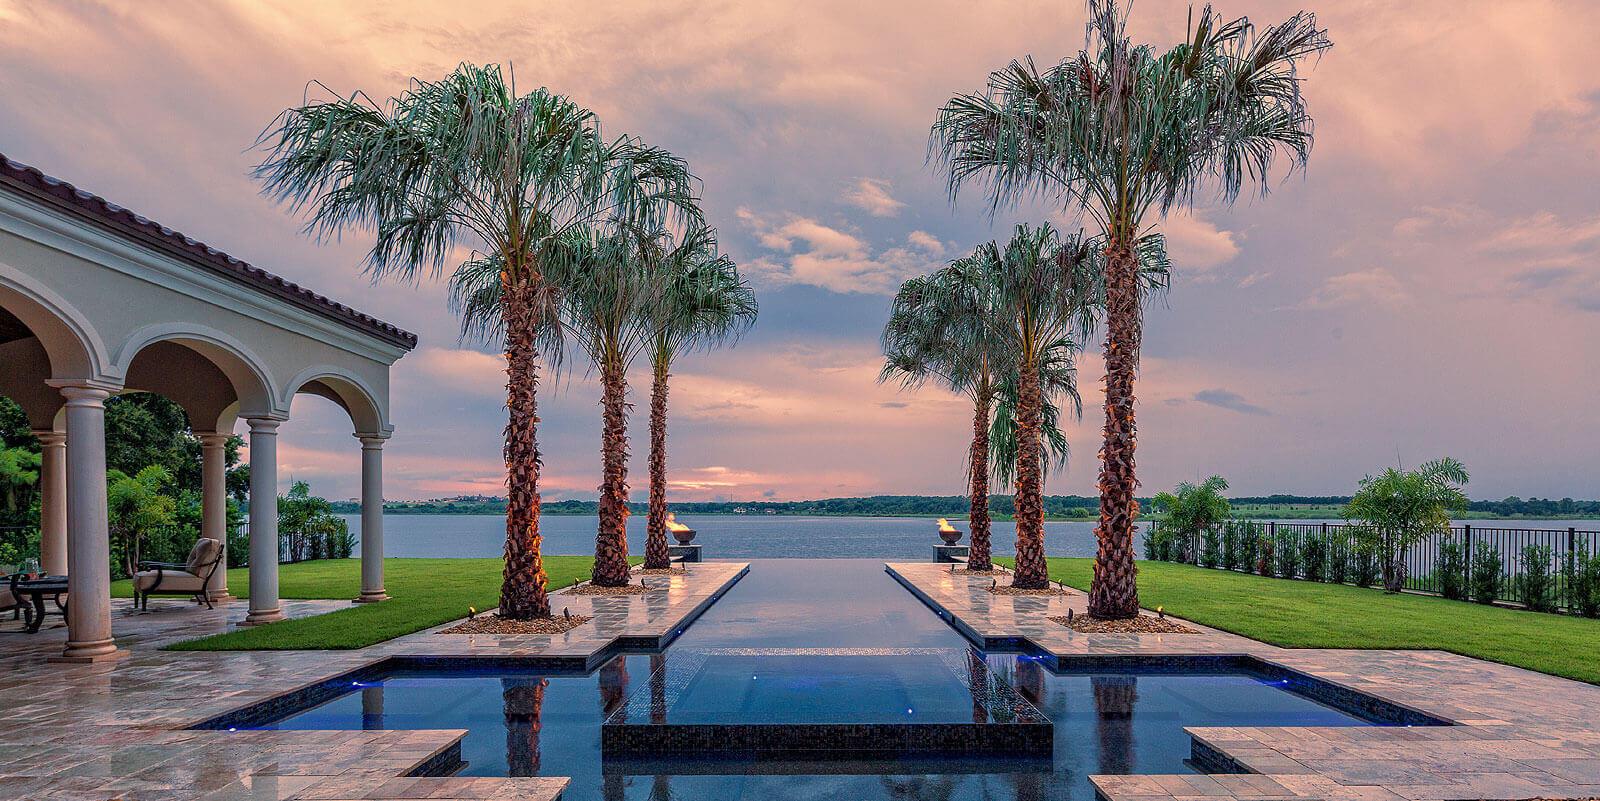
<point x="757" y="536"/>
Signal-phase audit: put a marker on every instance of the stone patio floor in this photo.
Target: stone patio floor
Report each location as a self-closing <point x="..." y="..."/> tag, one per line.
<point x="119" y="730"/>
<point x="1519" y="734"/>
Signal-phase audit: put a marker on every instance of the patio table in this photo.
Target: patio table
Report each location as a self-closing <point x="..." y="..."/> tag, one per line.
<point x="37" y="590"/>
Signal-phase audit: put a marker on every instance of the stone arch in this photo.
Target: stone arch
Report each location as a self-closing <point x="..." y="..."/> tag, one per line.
<point x="73" y="347"/>
<point x="209" y="373"/>
<point x="349" y="391"/>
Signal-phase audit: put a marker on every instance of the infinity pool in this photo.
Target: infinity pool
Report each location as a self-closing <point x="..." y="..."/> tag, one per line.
<point x="818" y="642"/>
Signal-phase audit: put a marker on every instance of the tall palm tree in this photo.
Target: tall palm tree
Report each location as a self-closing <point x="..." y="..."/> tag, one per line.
<point x="948" y="326"/>
<point x="1129" y="134"/>
<point x="467" y="163"/>
<point x="608" y="287"/>
<point x="943" y="326"/>
<point x="698" y="300"/>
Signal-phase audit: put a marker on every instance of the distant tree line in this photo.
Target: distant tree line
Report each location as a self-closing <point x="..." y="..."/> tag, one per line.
<point x="1056" y="506"/>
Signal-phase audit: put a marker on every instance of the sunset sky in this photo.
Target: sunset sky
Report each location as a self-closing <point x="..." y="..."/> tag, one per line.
<point x="1430" y="287"/>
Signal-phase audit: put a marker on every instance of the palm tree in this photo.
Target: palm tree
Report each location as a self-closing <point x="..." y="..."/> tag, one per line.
<point x="943" y="326"/>
<point x="467" y="163"/>
<point x="698" y="300"/>
<point x="1129" y="134"/>
<point x="949" y="325"/>
<point x="608" y="286"/>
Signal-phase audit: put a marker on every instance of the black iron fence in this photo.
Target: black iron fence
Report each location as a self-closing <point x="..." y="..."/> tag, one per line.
<point x="1545" y="569"/>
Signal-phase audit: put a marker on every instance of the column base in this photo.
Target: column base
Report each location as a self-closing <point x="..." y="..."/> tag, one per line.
<point x="89" y="653"/>
<point x="371" y="597"/>
<point x="262" y="617"/>
<point x="222" y="596"/>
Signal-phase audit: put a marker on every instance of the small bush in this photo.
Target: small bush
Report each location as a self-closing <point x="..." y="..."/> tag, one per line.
<point x="1249" y="546"/>
<point x="1211" y="551"/>
<point x="1265" y="562"/>
<point x="1363" y="566"/>
<point x="1338" y="560"/>
<point x="1486" y="568"/>
<point x="1161" y="544"/>
<point x="1583" y="580"/>
<point x="1230" y="545"/>
<point x="1451" y="573"/>
<point x="1536" y="586"/>
<point x="1314" y="557"/>
<point x="1288" y="552"/>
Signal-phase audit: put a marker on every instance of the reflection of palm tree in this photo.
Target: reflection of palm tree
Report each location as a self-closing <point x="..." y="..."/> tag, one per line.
<point x="614" y="700"/>
<point x="1030" y="680"/>
<point x="661" y="788"/>
<point x="1114" y="700"/>
<point x="372" y="708"/>
<point x="978" y="686"/>
<point x="523" y="699"/>
<point x="1028" y="786"/>
<point x="614" y="687"/>
<point x="921" y="788"/>
<point x="658" y="689"/>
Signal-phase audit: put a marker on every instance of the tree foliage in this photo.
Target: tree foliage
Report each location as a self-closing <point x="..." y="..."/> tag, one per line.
<point x="1399" y="508"/>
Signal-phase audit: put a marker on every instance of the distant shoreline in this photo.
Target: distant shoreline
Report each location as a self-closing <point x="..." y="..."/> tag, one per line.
<point x="345" y="507"/>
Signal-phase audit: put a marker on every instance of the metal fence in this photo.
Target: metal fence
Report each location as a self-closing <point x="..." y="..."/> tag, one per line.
<point x="1338" y="546"/>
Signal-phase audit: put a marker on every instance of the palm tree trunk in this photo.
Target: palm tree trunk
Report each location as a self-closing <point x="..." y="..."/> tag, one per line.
<point x="1032" y="572"/>
<point x="611" y="541"/>
<point x="978" y="507"/>
<point x="522" y="587"/>
<point x="656" y="554"/>
<point x="1114" y="593"/>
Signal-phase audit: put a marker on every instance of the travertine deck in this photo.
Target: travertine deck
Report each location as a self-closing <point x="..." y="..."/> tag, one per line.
<point x="1520" y="734"/>
<point x="118" y="730"/>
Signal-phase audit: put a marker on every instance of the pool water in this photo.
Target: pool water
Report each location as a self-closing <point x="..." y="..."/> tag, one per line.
<point x="816" y="641"/>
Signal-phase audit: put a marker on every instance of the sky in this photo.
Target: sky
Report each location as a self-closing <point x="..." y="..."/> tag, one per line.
<point x="1430" y="286"/>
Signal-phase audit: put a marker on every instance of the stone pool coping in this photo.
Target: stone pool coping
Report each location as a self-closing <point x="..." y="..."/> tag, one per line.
<point x="120" y="730"/>
<point x="1517" y="734"/>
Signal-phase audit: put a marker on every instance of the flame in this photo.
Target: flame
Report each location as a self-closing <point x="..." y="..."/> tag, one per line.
<point x="944" y="526"/>
<point x="674" y="525"/>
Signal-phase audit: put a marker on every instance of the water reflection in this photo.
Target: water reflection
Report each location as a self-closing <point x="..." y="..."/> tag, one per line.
<point x="523" y="702"/>
<point x="1114" y="700"/>
<point x="372" y="708"/>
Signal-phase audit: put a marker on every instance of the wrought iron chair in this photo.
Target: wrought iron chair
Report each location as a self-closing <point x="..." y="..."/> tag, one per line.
<point x="186" y="579"/>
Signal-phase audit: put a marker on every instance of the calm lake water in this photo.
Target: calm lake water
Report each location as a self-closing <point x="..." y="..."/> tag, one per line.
<point x="758" y="536"/>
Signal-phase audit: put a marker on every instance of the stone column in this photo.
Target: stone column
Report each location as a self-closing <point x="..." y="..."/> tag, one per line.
<point x="89" y="549"/>
<point x="264" y="606"/>
<point x="214" y="505"/>
<point x="371" y="519"/>
<point x="52" y="502"/>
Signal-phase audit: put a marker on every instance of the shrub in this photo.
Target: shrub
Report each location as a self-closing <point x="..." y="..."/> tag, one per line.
<point x="1211" y="552"/>
<point x="1536" y="585"/>
<point x="1486" y="568"/>
<point x="1288" y="551"/>
<point x="1451" y="572"/>
<point x="1230" y="545"/>
<point x="1249" y="546"/>
<point x="1363" y="564"/>
<point x="1264" y="558"/>
<point x="1338" y="560"/>
<point x="1314" y="557"/>
<point x="1150" y="535"/>
<point x="1583" y="580"/>
<point x="1161" y="543"/>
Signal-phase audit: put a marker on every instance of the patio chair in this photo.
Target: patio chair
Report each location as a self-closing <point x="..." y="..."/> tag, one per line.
<point x="11" y="600"/>
<point x="171" y="578"/>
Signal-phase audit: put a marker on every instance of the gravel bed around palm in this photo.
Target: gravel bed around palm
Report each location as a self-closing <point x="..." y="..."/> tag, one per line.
<point x="1143" y="624"/>
<point x="595" y="589"/>
<point x="1004" y="590"/>
<point x="661" y="571"/>
<point x="495" y="624"/>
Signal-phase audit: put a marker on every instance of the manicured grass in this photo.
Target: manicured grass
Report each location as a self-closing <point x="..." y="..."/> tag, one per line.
<point x="424" y="593"/>
<point x="1304" y="614"/>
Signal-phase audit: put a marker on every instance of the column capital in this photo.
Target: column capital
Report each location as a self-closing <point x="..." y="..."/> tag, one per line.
<point x="264" y="425"/>
<point x="85" y="394"/>
<point x="64" y="384"/>
<point x="372" y="441"/>
<point x="211" y="439"/>
<point x="49" y="437"/>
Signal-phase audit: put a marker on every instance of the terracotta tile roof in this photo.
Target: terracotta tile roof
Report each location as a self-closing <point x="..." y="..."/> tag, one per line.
<point x="21" y="179"/>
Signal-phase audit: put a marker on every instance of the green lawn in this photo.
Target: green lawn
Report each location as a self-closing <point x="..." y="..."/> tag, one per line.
<point x="1304" y="614"/>
<point x="424" y="593"/>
